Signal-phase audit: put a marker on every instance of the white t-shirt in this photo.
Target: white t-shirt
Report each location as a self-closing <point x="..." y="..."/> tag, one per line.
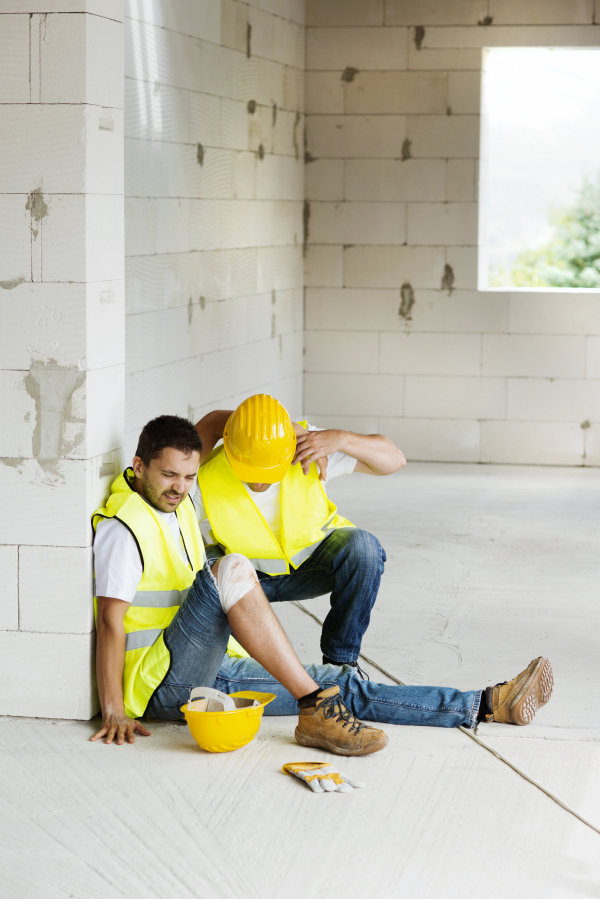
<point x="268" y="502"/>
<point x="117" y="564"/>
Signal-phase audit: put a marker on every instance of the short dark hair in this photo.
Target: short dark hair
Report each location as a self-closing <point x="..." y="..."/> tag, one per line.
<point x="167" y="431"/>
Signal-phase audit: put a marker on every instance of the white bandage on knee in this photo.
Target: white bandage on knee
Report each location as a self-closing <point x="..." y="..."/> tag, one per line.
<point x="235" y="577"/>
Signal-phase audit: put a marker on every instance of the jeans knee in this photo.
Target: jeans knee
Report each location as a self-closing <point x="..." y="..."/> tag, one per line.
<point x="366" y="547"/>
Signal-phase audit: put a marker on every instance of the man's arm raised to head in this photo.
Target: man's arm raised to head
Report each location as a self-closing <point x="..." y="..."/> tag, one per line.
<point x="210" y="428"/>
<point x="110" y="664"/>
<point x="375" y="454"/>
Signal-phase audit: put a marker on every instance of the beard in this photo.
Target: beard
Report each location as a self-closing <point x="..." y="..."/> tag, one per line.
<point x="156" y="498"/>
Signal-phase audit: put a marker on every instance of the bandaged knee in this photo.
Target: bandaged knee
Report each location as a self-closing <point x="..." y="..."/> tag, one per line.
<point x="235" y="577"/>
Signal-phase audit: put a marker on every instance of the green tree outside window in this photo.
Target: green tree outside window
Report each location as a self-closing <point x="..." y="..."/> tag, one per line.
<point x="572" y="258"/>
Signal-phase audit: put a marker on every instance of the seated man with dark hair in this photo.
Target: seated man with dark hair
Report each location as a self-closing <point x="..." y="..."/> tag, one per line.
<point x="164" y="619"/>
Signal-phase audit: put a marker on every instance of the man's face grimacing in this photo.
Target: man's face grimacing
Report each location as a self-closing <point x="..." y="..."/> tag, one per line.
<point x="168" y="479"/>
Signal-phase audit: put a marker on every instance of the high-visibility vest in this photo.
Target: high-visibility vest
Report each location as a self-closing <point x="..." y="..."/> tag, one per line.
<point x="307" y="516"/>
<point x="165" y="582"/>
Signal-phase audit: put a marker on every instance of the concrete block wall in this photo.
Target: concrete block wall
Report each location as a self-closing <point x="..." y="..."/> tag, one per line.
<point x="214" y="175"/>
<point x="448" y="372"/>
<point x="61" y="337"/>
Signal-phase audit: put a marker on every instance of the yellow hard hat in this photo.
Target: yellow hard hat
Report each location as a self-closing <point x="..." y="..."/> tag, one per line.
<point x="224" y="731"/>
<point x="260" y="440"/>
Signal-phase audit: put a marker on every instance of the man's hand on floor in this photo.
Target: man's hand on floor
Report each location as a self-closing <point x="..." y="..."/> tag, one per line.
<point x="120" y="728"/>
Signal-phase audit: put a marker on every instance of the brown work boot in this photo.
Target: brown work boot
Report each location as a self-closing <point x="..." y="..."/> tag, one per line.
<point x="327" y="724"/>
<point x="516" y="701"/>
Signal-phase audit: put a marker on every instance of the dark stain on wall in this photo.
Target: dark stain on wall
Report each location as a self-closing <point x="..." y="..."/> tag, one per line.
<point x="407" y="297"/>
<point x="37" y="208"/>
<point x="349" y="73"/>
<point x="14" y="282"/>
<point x="448" y="279"/>
<point x="295" y="135"/>
<point x="305" y="221"/>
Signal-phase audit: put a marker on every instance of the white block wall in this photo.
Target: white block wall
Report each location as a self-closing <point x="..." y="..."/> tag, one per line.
<point x="61" y="337"/>
<point x="226" y="221"/>
<point x="465" y="376"/>
<point x="214" y="176"/>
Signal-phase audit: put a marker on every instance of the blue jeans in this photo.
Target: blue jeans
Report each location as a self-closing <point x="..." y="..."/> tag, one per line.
<point x="197" y="640"/>
<point x="348" y="564"/>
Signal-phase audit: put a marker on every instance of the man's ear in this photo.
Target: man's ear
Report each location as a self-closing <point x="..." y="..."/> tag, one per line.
<point x="137" y="466"/>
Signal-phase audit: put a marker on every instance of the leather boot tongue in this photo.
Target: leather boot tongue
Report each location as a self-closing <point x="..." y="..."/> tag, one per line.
<point x="330" y="691"/>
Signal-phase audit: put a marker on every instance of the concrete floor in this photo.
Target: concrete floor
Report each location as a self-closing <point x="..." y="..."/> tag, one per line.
<point x="487" y="567"/>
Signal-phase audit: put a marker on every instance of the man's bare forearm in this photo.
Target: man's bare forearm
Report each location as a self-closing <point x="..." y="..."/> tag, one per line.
<point x="110" y="664"/>
<point x="210" y="428"/>
<point x="375" y="454"/>
<point x="375" y="451"/>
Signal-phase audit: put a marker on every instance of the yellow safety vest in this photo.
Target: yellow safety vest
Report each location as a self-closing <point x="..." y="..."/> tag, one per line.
<point x="165" y="583"/>
<point x="307" y="516"/>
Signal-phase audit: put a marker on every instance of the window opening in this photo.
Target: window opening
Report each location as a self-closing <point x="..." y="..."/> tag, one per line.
<point x="539" y="200"/>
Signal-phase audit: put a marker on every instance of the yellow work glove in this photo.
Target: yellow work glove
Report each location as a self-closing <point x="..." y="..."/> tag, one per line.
<point x="322" y="778"/>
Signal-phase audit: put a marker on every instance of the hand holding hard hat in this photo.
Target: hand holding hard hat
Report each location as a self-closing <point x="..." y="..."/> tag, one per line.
<point x="260" y="441"/>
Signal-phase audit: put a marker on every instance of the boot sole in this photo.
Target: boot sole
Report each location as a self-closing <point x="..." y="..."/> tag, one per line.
<point x="303" y="740"/>
<point x="546" y="682"/>
<point x="538" y="690"/>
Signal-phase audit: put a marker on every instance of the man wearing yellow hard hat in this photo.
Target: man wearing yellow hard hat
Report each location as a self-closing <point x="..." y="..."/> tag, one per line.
<point x="262" y="494"/>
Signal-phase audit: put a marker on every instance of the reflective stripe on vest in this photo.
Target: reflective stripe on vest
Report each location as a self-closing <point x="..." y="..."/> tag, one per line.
<point x="270" y="566"/>
<point x="279" y="566"/>
<point x="304" y="554"/>
<point x="141" y="639"/>
<point x="159" y="599"/>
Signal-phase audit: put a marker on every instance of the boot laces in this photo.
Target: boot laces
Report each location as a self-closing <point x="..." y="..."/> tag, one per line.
<point x="333" y="706"/>
<point x="362" y="674"/>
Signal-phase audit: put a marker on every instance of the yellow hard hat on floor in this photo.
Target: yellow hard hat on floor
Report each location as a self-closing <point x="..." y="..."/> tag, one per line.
<point x="221" y="723"/>
<point x="260" y="440"/>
